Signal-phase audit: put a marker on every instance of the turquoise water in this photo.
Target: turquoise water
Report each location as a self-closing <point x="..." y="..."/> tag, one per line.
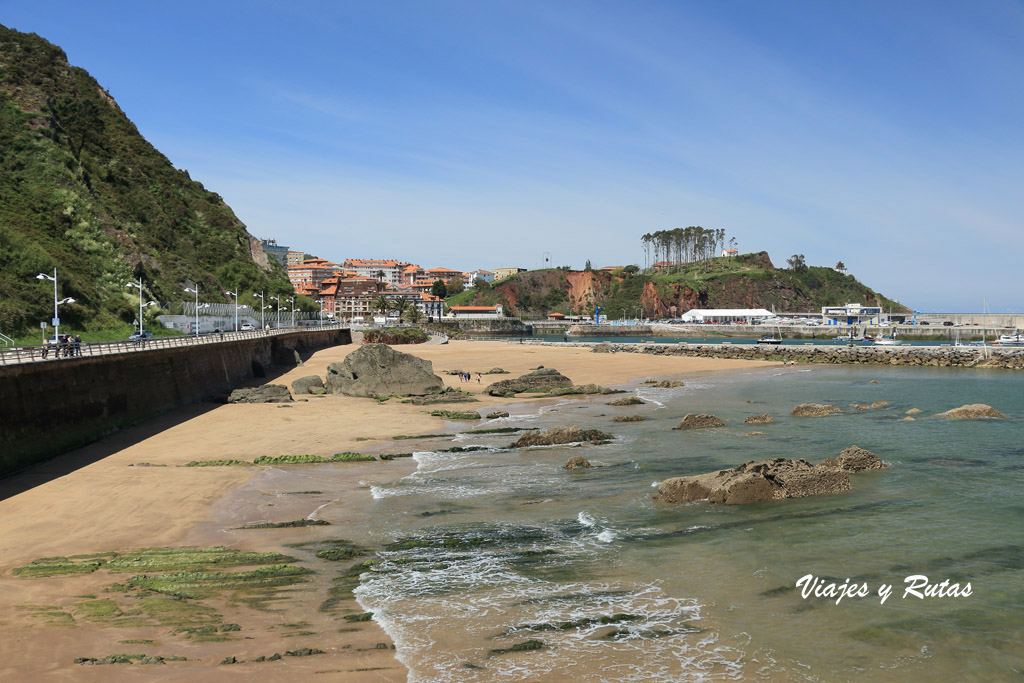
<point x="507" y="547"/>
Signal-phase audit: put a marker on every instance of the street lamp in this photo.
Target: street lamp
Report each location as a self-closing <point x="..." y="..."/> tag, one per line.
<point x="195" y="291"/>
<point x="56" y="320"/>
<point x="321" y="302"/>
<point x="235" y="294"/>
<point x="260" y="297"/>
<point x="291" y="300"/>
<point x="623" y="316"/>
<point x="138" y="286"/>
<point x="639" y="310"/>
<point x="277" y="298"/>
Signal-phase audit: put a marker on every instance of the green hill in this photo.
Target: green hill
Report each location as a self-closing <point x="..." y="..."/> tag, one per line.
<point x="747" y="281"/>
<point x="81" y="190"/>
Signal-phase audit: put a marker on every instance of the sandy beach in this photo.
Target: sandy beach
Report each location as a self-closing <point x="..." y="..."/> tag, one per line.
<point x="99" y="499"/>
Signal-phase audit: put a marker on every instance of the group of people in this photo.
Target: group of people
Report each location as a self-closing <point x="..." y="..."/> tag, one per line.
<point x="67" y="345"/>
<point x="468" y="377"/>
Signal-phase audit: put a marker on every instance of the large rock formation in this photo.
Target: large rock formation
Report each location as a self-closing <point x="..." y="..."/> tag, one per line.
<point x="268" y="393"/>
<point x="557" y="435"/>
<point x="540" y="380"/>
<point x="971" y="411"/>
<point x="376" y="370"/>
<point x="701" y="421"/>
<point x="577" y="462"/>
<point x="775" y="479"/>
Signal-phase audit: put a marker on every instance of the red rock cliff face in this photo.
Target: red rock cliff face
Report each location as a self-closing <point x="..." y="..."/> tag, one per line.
<point x="675" y="302"/>
<point x="585" y="290"/>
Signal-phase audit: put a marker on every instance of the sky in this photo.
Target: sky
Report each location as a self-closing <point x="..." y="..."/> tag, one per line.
<point x="886" y="135"/>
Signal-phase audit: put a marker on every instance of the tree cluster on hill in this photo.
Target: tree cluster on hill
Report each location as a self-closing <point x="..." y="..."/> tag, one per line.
<point x="683" y="245"/>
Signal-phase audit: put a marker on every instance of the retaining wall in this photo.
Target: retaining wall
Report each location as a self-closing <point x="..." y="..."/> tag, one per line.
<point x="51" y="407"/>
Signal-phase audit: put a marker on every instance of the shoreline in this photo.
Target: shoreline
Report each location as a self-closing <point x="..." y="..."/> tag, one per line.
<point x="110" y="503"/>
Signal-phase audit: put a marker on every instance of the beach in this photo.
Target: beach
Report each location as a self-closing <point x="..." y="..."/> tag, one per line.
<point x="129" y="491"/>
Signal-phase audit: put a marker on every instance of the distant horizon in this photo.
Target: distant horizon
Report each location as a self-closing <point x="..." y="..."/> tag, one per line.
<point x="883" y="136"/>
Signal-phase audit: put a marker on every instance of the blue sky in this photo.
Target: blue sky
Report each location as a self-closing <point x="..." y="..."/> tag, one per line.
<point x="883" y="134"/>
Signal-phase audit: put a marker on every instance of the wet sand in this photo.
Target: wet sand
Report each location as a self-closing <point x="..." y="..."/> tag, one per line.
<point x="110" y="503"/>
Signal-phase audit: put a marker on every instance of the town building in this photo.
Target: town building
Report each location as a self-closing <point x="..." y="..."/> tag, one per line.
<point x="475" y="312"/>
<point x="503" y="273"/>
<point x="312" y="273"/>
<point x="278" y="252"/>
<point x="729" y="253"/>
<point x="387" y="270"/>
<point x="294" y="258"/>
<point x="479" y="274"/>
<point x="851" y="314"/>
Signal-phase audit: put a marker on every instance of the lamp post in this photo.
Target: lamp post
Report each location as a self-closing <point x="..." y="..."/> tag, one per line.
<point x="235" y="294"/>
<point x="291" y="304"/>
<point x="138" y="286"/>
<point x="277" y="298"/>
<point x="623" y="316"/>
<point x="56" y="303"/>
<point x="195" y="291"/>
<point x="639" y="310"/>
<point x="321" y="302"/>
<point x="260" y="297"/>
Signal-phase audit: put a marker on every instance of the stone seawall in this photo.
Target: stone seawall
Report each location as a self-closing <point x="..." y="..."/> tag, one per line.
<point x="936" y="356"/>
<point x="52" y="407"/>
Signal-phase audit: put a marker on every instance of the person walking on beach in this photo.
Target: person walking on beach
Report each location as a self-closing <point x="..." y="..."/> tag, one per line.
<point x="478" y="378"/>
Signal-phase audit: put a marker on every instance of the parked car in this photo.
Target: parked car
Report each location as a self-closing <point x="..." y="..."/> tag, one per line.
<point x="924" y="322"/>
<point x="246" y="327"/>
<point x="948" y="323"/>
<point x="135" y="336"/>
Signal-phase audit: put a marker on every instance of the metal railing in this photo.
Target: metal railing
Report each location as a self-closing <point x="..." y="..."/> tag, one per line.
<point x="7" y="341"/>
<point x="52" y="352"/>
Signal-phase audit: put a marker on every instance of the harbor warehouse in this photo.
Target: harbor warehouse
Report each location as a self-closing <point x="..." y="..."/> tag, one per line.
<point x="726" y="315"/>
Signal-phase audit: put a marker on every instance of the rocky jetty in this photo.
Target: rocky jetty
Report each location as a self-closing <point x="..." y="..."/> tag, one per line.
<point x="774" y="479"/>
<point x="376" y="370"/>
<point x="936" y="356"/>
<point x="310" y="384"/>
<point x="765" y="419"/>
<point x="449" y="395"/>
<point x="268" y="393"/>
<point x="971" y="411"/>
<point x="541" y="380"/>
<point x="701" y="421"/>
<point x="558" y="435"/>
<point x="576" y="462"/>
<point x="627" y="401"/>
<point x="814" y="410"/>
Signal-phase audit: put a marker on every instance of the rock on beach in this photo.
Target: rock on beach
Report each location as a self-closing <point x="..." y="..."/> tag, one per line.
<point x="701" y="421"/>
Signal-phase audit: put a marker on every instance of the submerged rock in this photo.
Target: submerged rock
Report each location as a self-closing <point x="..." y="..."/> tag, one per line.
<point x="765" y="419"/>
<point x="668" y="384"/>
<point x="496" y="414"/>
<point x="971" y="411"/>
<point x="557" y="435"/>
<point x="540" y="380"/>
<point x="268" y="393"/>
<point x="628" y="401"/>
<point x="702" y="421"/>
<point x="854" y="459"/>
<point x="376" y="370"/>
<point x="576" y="462"/>
<point x="814" y="410"/>
<point x="628" y="418"/>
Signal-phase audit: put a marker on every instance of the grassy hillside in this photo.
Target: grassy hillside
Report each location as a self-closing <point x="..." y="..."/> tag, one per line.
<point x="748" y="281"/>
<point x="84" y="192"/>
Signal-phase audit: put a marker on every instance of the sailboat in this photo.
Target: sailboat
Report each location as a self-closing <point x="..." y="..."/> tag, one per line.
<point x="772" y="338"/>
<point x="888" y="341"/>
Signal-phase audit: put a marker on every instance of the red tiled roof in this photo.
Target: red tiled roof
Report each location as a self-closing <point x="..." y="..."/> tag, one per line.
<point x="474" y="308"/>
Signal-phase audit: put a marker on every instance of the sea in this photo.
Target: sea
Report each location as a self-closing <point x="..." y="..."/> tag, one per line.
<point x="501" y="565"/>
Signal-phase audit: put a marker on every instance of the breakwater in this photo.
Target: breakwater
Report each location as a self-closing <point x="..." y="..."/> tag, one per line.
<point x="52" y="407"/>
<point x="1011" y="358"/>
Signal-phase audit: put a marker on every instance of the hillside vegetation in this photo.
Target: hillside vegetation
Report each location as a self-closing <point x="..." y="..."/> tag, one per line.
<point x="747" y="281"/>
<point x="84" y="192"/>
